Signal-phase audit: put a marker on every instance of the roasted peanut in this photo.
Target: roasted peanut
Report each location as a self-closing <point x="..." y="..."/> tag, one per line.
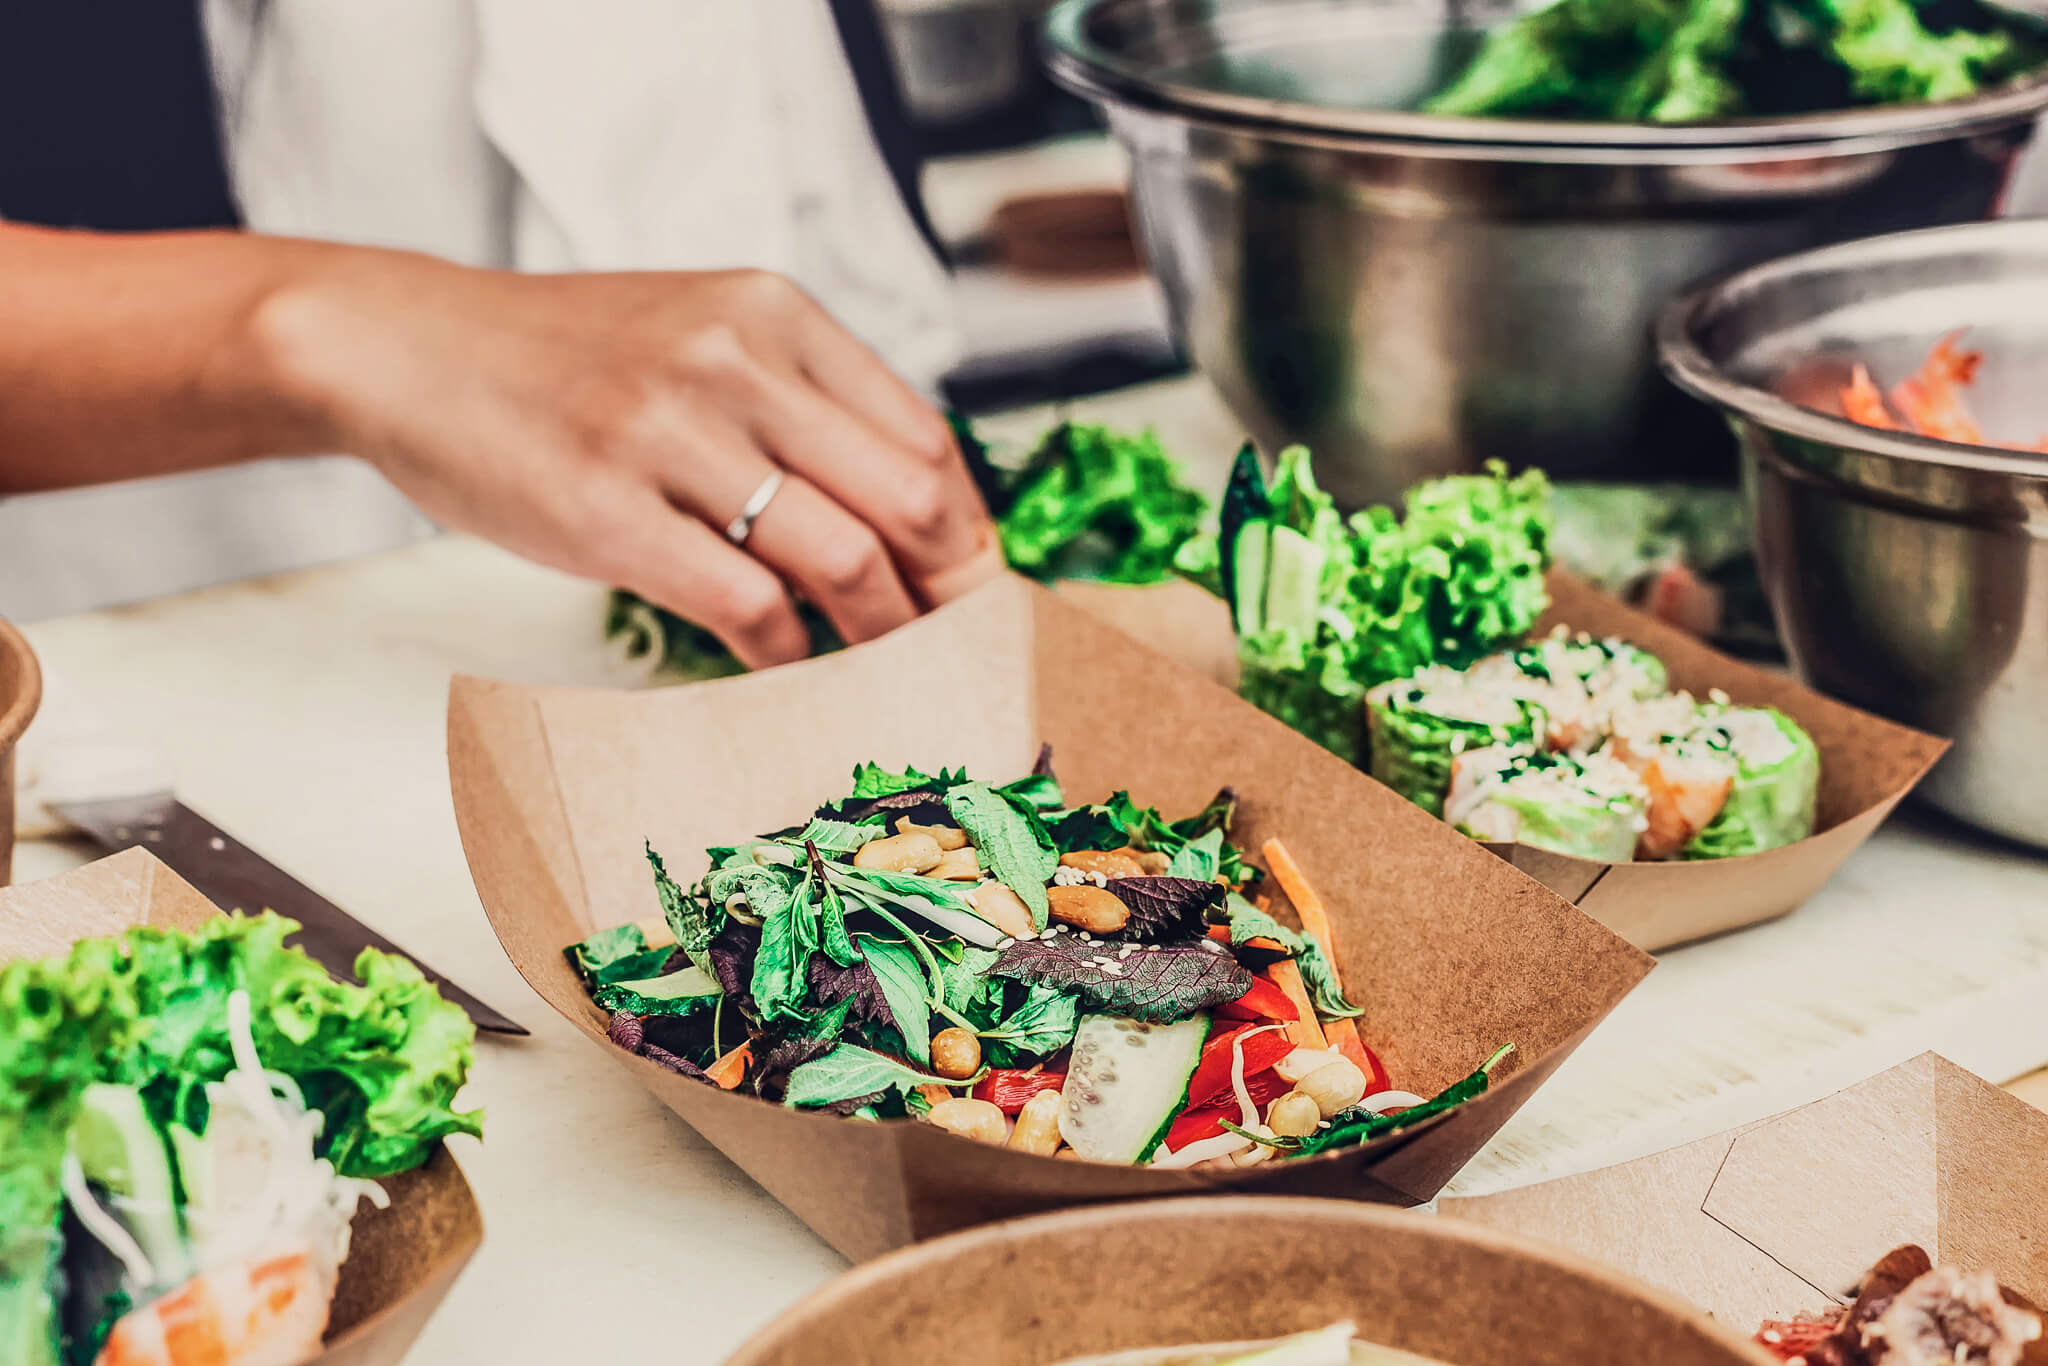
<point x="1038" y="1125"/>
<point x="1087" y="907"/>
<point x="957" y="865"/>
<point x="1002" y="908"/>
<point x="1150" y="862"/>
<point x="948" y="836"/>
<point x="915" y="853"/>
<point x="975" y="1119"/>
<point x="1069" y="1155"/>
<point x="654" y="929"/>
<point x="1108" y="864"/>
<point x="1335" y="1086"/>
<point x="1303" y="1061"/>
<point x="1294" y="1115"/>
<point x="956" y="1054"/>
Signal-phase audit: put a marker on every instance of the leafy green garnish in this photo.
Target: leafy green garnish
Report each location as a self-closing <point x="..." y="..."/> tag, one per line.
<point x="1019" y="856"/>
<point x="901" y="974"/>
<point x="678" y="994"/>
<point x="1092" y="503"/>
<point x="619" y="954"/>
<point x="1041" y="1025"/>
<point x="1359" y="1126"/>
<point x="692" y="922"/>
<point x="852" y="1073"/>
<point x="872" y="780"/>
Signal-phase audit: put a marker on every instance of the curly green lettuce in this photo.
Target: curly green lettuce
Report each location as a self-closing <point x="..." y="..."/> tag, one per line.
<point x="1690" y="61"/>
<point x="1327" y="609"/>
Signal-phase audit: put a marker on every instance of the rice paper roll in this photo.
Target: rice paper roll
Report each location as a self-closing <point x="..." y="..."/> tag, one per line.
<point x="1589" y="806"/>
<point x="1777" y="783"/>
<point x="1419" y="725"/>
<point x="1722" y="780"/>
<point x="1580" y="681"/>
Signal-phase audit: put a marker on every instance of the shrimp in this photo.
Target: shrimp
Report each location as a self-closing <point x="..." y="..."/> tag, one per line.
<point x="1932" y="399"/>
<point x="268" y="1311"/>
<point x="1686" y="793"/>
<point x="1863" y="401"/>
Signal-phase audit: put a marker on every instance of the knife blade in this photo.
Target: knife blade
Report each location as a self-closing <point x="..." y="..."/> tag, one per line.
<point x="237" y="878"/>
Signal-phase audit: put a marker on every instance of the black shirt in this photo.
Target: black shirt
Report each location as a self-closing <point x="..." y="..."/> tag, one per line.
<point x="107" y="116"/>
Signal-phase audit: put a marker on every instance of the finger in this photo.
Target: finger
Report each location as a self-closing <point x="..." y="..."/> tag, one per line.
<point x="962" y="578"/>
<point x="675" y="561"/>
<point x="833" y="558"/>
<point x="925" y="512"/>
<point x="857" y="379"/>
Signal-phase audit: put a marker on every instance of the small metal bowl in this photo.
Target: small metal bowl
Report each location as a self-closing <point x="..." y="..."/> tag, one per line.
<point x="1907" y="574"/>
<point x="1409" y="293"/>
<point x="21" y="691"/>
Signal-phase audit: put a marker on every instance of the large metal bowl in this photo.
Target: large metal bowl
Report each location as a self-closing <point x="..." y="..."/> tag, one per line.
<point x="1904" y="572"/>
<point x="1410" y="294"/>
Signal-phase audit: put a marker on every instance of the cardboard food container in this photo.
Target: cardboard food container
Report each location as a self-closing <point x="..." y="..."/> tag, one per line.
<point x="1785" y="1216"/>
<point x="1233" y="1269"/>
<point x="402" y="1260"/>
<point x="21" y="691"/>
<point x="1450" y="951"/>
<point x="1867" y="764"/>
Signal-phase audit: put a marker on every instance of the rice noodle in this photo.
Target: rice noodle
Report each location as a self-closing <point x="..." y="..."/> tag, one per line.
<point x="104" y="1226"/>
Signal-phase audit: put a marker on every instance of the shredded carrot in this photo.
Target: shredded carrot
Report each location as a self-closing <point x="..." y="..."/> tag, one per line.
<point x="1315" y="922"/>
<point x="1932" y="399"/>
<point x="1303" y="1028"/>
<point x="729" y="1071"/>
<point x="933" y="1093"/>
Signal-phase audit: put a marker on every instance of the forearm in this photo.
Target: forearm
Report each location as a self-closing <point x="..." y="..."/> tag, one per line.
<point x="138" y="355"/>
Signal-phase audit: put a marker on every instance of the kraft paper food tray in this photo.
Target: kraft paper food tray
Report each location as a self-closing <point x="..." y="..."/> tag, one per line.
<point x="1784" y="1216"/>
<point x="1239" y="1268"/>
<point x="402" y="1261"/>
<point x="1867" y="765"/>
<point x="21" y="689"/>
<point x="1450" y="951"/>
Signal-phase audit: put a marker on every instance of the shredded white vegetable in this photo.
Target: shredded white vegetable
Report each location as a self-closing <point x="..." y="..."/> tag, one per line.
<point x="1248" y="1113"/>
<point x="1225" y="1144"/>
<point x="1384" y="1101"/>
<point x="103" y="1225"/>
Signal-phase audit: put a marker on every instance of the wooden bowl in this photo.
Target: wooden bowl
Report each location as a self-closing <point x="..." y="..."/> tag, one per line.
<point x="1166" y="1273"/>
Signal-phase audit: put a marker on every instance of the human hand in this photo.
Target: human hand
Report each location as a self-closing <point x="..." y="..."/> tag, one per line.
<point x="614" y="425"/>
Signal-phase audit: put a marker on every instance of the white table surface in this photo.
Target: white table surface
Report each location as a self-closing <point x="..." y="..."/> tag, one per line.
<point x="305" y="713"/>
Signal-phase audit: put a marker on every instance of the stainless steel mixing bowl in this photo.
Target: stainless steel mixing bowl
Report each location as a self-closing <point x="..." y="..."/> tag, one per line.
<point x="1409" y="293"/>
<point x="1908" y="576"/>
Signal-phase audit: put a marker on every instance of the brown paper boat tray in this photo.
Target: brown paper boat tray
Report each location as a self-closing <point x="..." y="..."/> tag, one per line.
<point x="1233" y="1269"/>
<point x="1867" y="764"/>
<point x="1784" y="1216"/>
<point x="1450" y="951"/>
<point x="403" y="1260"/>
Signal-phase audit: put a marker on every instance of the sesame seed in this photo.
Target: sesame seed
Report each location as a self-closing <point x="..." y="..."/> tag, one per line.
<point x="1127" y="950"/>
<point x="1005" y="942"/>
<point x="1113" y="969"/>
<point x="1087" y="938"/>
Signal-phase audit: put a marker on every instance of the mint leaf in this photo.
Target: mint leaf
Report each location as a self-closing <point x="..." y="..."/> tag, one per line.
<point x="872" y="780"/>
<point x="963" y="983"/>
<point x="901" y="976"/>
<point x="1166" y="908"/>
<point x="1009" y="847"/>
<point x="1084" y="827"/>
<point x="1041" y="1026"/>
<point x="1199" y="859"/>
<point x="690" y="920"/>
<point x="1155" y="983"/>
<point x="836" y="837"/>
<point x="851" y="1073"/>
<point x="680" y="993"/>
<point x="618" y="955"/>
<point x="780" y="987"/>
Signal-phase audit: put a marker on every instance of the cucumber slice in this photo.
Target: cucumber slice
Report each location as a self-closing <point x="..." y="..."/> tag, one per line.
<point x="1248" y="592"/>
<point x="1294" y="582"/>
<point x="121" y="1151"/>
<point x="1126" y="1083"/>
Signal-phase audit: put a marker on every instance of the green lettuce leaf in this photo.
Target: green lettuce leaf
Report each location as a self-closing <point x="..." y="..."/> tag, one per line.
<point x="848" y="1073"/>
<point x="1020" y="857"/>
<point x="1093" y="503"/>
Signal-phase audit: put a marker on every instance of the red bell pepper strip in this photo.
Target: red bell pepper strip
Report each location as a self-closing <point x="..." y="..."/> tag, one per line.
<point x="1265" y="1001"/>
<point x="1212" y="1072"/>
<point x="1008" y="1088"/>
<point x="1376" y="1078"/>
<point x="1206" y="1120"/>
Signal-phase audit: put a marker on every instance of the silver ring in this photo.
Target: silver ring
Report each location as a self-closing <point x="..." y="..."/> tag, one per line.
<point x="742" y="526"/>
